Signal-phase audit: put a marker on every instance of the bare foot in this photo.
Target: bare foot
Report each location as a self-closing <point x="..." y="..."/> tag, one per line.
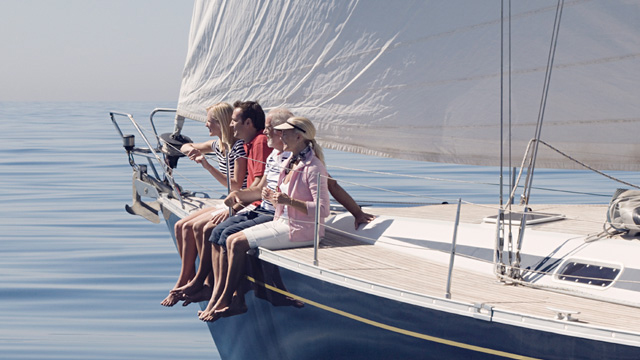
<point x="209" y="316"/>
<point x="189" y="289"/>
<point x="234" y="310"/>
<point x="236" y="307"/>
<point x="172" y="298"/>
<point x="203" y="295"/>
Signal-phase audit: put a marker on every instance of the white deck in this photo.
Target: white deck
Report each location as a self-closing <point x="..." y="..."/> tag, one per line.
<point x="416" y="274"/>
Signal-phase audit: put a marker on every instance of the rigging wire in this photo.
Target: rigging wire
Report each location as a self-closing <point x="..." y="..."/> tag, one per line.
<point x="501" y="97"/>
<point x="512" y="184"/>
<point x="543" y="99"/>
<point x="587" y="166"/>
<point x="501" y="220"/>
<point x="511" y="178"/>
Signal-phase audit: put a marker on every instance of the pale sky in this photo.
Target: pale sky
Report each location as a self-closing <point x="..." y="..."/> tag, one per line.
<point x="92" y="50"/>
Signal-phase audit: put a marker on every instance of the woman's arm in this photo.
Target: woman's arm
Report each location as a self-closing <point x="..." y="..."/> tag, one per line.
<point x="222" y="178"/>
<point x="310" y="180"/>
<point x="284" y="199"/>
<point x="312" y="177"/>
<point x="281" y="198"/>
<point x="193" y="150"/>
<point x="197" y="151"/>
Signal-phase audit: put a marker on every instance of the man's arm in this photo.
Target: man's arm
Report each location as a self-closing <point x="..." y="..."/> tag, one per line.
<point x="245" y="196"/>
<point x="256" y="182"/>
<point x="347" y="201"/>
<point x="259" y="154"/>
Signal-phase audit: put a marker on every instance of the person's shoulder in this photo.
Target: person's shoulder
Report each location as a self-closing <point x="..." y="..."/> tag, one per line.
<point x="316" y="161"/>
<point x="261" y="143"/>
<point x="213" y="144"/>
<point x="272" y="157"/>
<point x="260" y="139"/>
<point x="314" y="165"/>
<point x="274" y="154"/>
<point x="238" y="146"/>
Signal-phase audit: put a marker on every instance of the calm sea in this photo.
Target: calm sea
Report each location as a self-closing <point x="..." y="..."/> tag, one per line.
<point x="82" y="279"/>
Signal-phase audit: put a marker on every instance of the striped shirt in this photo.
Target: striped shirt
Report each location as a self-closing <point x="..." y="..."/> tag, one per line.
<point x="272" y="171"/>
<point x="237" y="151"/>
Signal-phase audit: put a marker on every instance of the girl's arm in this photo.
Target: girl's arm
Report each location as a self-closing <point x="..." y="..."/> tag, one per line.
<point x="222" y="178"/>
<point x="193" y="150"/>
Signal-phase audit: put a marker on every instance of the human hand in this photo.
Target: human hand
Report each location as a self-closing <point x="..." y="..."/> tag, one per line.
<point x="363" y="218"/>
<point x="219" y="217"/>
<point x="266" y="193"/>
<point x="275" y="197"/>
<point x="193" y="153"/>
<point x="232" y="199"/>
<point x="202" y="160"/>
<point x="281" y="198"/>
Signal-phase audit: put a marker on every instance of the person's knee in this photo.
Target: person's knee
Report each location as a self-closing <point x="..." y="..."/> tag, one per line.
<point x="216" y="234"/>
<point x="199" y="227"/>
<point x="224" y="236"/>
<point x="208" y="226"/>
<point x="188" y="225"/>
<point x="179" y="225"/>
<point x="235" y="245"/>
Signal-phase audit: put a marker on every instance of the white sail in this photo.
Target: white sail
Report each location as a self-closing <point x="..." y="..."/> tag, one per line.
<point x="421" y="79"/>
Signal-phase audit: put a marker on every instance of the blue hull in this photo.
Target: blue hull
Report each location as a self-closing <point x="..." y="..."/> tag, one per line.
<point x="295" y="316"/>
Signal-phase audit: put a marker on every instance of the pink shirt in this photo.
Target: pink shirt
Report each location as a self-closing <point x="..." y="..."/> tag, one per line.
<point x="304" y="186"/>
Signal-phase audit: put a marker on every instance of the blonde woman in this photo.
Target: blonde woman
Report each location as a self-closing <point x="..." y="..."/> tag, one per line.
<point x="295" y="202"/>
<point x="192" y="230"/>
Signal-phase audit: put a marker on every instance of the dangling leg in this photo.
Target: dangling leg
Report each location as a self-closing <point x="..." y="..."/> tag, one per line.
<point x="186" y="244"/>
<point x="237" y="246"/>
<point x="203" y="235"/>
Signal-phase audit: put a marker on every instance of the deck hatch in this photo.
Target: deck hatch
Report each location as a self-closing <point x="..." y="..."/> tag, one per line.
<point x="532" y="218"/>
<point x="589" y="274"/>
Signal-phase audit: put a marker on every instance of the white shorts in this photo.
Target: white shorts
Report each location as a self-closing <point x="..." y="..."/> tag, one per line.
<point x="272" y="235"/>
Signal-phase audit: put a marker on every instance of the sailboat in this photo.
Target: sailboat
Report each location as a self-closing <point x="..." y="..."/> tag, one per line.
<point x="515" y="84"/>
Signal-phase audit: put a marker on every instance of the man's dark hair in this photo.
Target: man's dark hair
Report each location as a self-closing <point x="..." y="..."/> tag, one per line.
<point x="253" y="111"/>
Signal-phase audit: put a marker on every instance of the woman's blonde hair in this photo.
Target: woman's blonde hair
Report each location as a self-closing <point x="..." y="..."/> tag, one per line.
<point x="309" y="134"/>
<point x="222" y="112"/>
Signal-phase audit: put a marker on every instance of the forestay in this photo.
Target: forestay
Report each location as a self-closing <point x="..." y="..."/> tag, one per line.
<point x="421" y="79"/>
